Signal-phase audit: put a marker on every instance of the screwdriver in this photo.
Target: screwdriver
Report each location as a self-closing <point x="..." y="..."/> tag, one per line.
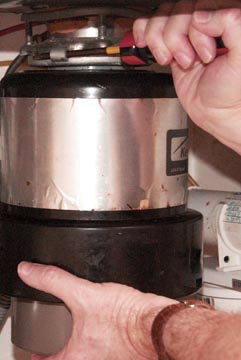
<point x="127" y="50"/>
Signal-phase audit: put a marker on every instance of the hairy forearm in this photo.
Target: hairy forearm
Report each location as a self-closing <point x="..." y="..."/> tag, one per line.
<point x="196" y="334"/>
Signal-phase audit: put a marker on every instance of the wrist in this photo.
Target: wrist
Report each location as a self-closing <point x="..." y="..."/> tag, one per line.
<point x="141" y="336"/>
<point x="224" y="125"/>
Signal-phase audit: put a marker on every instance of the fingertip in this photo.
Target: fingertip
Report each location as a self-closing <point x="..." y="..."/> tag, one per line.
<point x="206" y="55"/>
<point x="162" y="57"/>
<point x="202" y="17"/>
<point x="25" y="268"/>
<point x="139" y="29"/>
<point x="184" y="60"/>
<point x="204" y="45"/>
<point x="140" y="41"/>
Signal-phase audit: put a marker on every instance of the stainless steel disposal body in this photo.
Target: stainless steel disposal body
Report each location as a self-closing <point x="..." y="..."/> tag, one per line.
<point x="94" y="154"/>
<point x="94" y="180"/>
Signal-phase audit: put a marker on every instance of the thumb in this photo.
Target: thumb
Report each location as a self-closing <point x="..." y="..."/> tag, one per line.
<point x="50" y="279"/>
<point x="221" y="23"/>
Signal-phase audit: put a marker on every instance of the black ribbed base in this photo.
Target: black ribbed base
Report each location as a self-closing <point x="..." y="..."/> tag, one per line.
<point x="161" y="256"/>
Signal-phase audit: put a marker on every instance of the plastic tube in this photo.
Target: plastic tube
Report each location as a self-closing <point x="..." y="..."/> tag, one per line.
<point x="12" y="29"/>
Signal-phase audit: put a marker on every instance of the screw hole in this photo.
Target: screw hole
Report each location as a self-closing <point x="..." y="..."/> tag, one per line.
<point x="226" y="259"/>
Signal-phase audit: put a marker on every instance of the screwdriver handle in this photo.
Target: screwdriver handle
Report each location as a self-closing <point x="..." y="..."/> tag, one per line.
<point x="131" y="54"/>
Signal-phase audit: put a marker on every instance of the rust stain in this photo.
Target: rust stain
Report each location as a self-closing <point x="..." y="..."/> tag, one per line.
<point x="168" y="204"/>
<point x="28" y="183"/>
<point x="208" y="203"/>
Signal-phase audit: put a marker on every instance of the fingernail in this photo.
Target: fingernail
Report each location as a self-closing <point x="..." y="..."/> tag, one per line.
<point x="184" y="60"/>
<point x="140" y="40"/>
<point x="202" y="17"/>
<point x="25" y="268"/>
<point x="161" y="57"/>
<point x="206" y="55"/>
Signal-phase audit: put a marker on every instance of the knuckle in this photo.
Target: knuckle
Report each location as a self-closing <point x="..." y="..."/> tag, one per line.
<point x="49" y="275"/>
<point x="137" y="25"/>
<point x="140" y="24"/>
<point x="157" y="24"/>
<point x="233" y="14"/>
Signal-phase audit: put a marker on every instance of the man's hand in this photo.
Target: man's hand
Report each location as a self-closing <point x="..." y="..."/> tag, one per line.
<point x="110" y="321"/>
<point x="208" y="86"/>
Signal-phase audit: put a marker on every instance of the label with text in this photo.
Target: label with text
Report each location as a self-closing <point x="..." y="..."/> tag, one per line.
<point x="177" y="152"/>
